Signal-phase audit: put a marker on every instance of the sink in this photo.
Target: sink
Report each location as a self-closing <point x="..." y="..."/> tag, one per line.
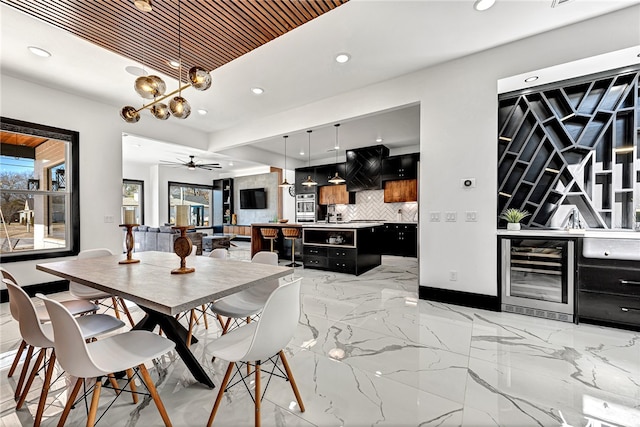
<point x="623" y="249"/>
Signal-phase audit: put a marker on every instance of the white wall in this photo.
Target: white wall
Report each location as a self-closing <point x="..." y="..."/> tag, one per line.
<point x="100" y="129"/>
<point x="458" y="130"/>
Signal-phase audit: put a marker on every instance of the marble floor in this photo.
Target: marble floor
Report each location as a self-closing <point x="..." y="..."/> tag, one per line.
<point x="368" y="352"/>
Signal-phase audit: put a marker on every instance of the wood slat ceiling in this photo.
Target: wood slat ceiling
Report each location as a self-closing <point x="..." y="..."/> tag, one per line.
<point x="31" y="141"/>
<point x="214" y="32"/>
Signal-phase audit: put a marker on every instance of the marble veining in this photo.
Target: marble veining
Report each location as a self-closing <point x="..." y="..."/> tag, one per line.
<point x="368" y="352"/>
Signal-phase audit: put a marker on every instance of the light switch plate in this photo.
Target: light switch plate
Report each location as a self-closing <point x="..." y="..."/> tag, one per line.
<point x="450" y="216"/>
<point x="471" y="216"/>
<point x="434" y="216"/>
<point x="108" y="218"/>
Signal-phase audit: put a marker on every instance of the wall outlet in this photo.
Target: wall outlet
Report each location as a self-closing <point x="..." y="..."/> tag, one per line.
<point x="453" y="275"/>
<point x="108" y="218"/>
<point x="471" y="216"/>
<point x="434" y="216"/>
<point x="450" y="216"/>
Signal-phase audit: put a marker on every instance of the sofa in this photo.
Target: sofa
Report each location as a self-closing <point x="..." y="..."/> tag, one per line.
<point x="161" y="238"/>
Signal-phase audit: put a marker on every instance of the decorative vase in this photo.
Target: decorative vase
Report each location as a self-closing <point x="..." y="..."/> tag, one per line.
<point x="513" y="226"/>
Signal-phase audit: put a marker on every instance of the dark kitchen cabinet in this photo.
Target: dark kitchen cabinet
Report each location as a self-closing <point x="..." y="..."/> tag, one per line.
<point x="400" y="239"/>
<point x="301" y="176"/>
<point x="609" y="291"/>
<point x="400" y="167"/>
<point x="364" y="168"/>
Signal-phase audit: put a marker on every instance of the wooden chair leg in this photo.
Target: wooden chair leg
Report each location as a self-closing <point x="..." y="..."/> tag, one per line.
<point x="190" y="332"/>
<point x="257" y="394"/>
<point x="291" y="380"/>
<point x="70" y="401"/>
<point x="126" y="311"/>
<point x="221" y="391"/>
<point x="45" y="389"/>
<point x="226" y="326"/>
<point x="23" y="372"/>
<point x="114" y="384"/>
<point x="132" y="385"/>
<point x="16" y="359"/>
<point x="114" y="302"/>
<point x="154" y="394"/>
<point x="220" y="321"/>
<point x="204" y="315"/>
<point x="248" y="363"/>
<point x="34" y="371"/>
<point x="95" y="400"/>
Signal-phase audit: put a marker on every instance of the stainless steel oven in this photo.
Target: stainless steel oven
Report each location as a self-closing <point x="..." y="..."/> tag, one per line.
<point x="305" y="207"/>
<point x="538" y="277"/>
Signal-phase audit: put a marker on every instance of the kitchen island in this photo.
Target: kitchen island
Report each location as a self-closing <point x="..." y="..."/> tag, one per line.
<point x="351" y="248"/>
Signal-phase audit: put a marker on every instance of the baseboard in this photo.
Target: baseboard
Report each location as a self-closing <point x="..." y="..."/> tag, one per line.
<point x="467" y="299"/>
<point x="39" y="288"/>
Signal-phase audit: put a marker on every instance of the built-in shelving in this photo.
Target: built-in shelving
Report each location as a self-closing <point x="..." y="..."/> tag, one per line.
<point x="569" y="145"/>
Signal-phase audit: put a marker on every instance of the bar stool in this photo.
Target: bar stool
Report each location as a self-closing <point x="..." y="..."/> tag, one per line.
<point x="269" y="234"/>
<point x="292" y="234"/>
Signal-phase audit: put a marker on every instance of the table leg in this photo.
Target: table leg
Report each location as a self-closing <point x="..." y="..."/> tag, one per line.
<point x="178" y="334"/>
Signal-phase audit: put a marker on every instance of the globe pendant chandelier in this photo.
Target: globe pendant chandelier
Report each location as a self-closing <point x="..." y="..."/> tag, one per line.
<point x="153" y="87"/>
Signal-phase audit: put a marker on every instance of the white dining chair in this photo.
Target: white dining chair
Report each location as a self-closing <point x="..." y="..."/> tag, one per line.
<point x="75" y="306"/>
<point x="123" y="352"/>
<point x="87" y="293"/>
<point x="247" y="303"/>
<point x="40" y="336"/>
<point x="219" y="253"/>
<point x="259" y="342"/>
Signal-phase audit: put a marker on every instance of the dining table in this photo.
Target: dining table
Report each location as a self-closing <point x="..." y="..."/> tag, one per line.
<point x="163" y="295"/>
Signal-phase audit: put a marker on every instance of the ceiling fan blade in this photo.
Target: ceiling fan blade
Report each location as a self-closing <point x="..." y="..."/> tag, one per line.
<point x="208" y="167"/>
<point x="172" y="163"/>
<point x="208" y="164"/>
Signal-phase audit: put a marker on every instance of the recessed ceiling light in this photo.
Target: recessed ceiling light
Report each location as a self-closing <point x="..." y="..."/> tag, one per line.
<point x="343" y="57"/>
<point x="143" y="5"/>
<point x="230" y="163"/>
<point x="174" y="64"/>
<point x="378" y="139"/>
<point x="202" y="111"/>
<point x="39" y="51"/>
<point x="531" y="79"/>
<point x="481" y="5"/>
<point x="257" y="90"/>
<point x="135" y="71"/>
<point x="302" y="152"/>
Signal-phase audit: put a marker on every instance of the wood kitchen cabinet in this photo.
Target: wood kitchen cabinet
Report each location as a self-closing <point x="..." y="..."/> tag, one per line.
<point x="405" y="190"/>
<point x="335" y="195"/>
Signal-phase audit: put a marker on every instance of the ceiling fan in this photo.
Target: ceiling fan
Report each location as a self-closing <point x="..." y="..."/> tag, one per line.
<point x="192" y="164"/>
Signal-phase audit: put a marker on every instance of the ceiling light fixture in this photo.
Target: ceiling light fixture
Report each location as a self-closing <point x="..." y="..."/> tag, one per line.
<point x="143" y="5"/>
<point x="531" y="79"/>
<point x="202" y="111"/>
<point x="481" y="5"/>
<point x="153" y="87"/>
<point x="257" y="90"/>
<point x="174" y="64"/>
<point x="378" y="139"/>
<point x="341" y="58"/>
<point x="309" y="182"/>
<point x="38" y="51"/>
<point x="135" y="71"/>
<point x="337" y="179"/>
<point x="285" y="183"/>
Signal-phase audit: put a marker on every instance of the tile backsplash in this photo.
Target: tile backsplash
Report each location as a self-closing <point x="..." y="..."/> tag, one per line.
<point x="370" y="205"/>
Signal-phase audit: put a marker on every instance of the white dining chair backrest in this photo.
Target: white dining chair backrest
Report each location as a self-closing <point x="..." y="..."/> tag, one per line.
<point x="13" y="307"/>
<point x="265" y="257"/>
<point x="218" y="253"/>
<point x="278" y="322"/>
<point x="28" y="320"/>
<point x="94" y="253"/>
<point x="194" y="251"/>
<point x="71" y="350"/>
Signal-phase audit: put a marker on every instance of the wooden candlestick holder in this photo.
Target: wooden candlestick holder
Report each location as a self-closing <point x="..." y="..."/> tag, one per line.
<point x="129" y="242"/>
<point x="183" y="247"/>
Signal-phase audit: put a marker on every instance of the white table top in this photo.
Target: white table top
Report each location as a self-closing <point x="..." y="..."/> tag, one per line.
<point x="151" y="284"/>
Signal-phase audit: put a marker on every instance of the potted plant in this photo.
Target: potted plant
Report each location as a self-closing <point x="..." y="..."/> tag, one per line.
<point x="513" y="217"/>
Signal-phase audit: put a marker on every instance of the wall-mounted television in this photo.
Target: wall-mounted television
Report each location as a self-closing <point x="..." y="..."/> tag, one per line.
<point x="253" y="198"/>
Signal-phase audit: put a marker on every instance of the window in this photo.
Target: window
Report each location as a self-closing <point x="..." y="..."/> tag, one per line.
<point x="133" y="197"/>
<point x="198" y="197"/>
<point x="39" y="202"/>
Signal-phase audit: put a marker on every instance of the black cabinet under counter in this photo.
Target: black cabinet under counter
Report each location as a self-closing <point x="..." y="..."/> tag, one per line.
<point x="341" y="249"/>
<point x="400" y="239"/>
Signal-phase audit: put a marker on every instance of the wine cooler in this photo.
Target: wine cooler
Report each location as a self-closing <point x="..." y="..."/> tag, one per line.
<point x="538" y="277"/>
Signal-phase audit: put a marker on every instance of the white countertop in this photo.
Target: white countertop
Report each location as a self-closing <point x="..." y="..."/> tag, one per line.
<point x="599" y="234"/>
<point x="349" y="225"/>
